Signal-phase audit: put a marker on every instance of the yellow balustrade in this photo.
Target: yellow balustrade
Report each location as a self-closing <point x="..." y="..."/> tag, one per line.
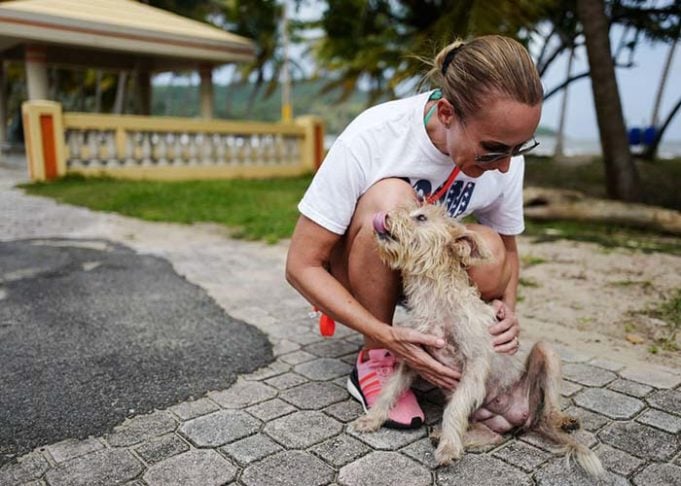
<point x="165" y="148"/>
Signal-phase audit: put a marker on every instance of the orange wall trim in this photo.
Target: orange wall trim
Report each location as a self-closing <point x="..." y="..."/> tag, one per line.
<point x="49" y="146"/>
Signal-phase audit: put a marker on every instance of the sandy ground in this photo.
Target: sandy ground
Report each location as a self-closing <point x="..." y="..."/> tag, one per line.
<point x="592" y="299"/>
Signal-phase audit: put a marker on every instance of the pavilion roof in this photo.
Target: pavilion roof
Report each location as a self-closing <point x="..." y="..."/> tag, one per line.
<point x="120" y="27"/>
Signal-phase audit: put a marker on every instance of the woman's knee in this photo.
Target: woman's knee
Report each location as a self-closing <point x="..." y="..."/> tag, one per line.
<point x="491" y="278"/>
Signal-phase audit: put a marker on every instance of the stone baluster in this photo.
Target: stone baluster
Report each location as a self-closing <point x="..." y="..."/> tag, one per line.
<point x="92" y="137"/>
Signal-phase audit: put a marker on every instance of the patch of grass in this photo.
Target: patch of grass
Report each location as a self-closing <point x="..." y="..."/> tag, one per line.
<point x="528" y="282"/>
<point x="531" y="260"/>
<point x="255" y="209"/>
<point x="644" y="284"/>
<point x="668" y="311"/>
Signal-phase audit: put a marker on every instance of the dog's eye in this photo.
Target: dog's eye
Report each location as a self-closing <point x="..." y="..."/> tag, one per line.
<point x="421" y="217"/>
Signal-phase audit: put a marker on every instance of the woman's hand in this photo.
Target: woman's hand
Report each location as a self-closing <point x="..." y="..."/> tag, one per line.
<point x="407" y="344"/>
<point x="506" y="331"/>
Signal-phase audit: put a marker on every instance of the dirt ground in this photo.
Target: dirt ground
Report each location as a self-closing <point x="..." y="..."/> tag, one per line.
<point x="594" y="299"/>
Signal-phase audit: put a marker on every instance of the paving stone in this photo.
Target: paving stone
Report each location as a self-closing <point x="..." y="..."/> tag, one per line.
<point x="569" y="355"/>
<point x="204" y="467"/>
<point x="288" y="468"/>
<point x="522" y="455"/>
<point x="609" y="403"/>
<point x="640" y="440"/>
<point x="423" y="451"/>
<point x="661" y="420"/>
<point x="219" y="428"/>
<point x="105" y="467"/>
<point x="286" y="381"/>
<point x="345" y="411"/>
<point x="250" y="449"/>
<point x="616" y="460"/>
<point x="657" y="377"/>
<point x="70" y="448"/>
<point x="333" y="348"/>
<point x="589" y="420"/>
<point x="384" y="468"/>
<point x="302" y="429"/>
<point x="314" y="396"/>
<point x="31" y="466"/>
<point x="567" y="388"/>
<point x="638" y="390"/>
<point x="195" y="408"/>
<point x="340" y="450"/>
<point x="273" y="369"/>
<point x="607" y="364"/>
<point x="271" y="409"/>
<point x="284" y="346"/>
<point x="659" y="475"/>
<point x="389" y="439"/>
<point x="297" y="357"/>
<point x="243" y="394"/>
<point x="161" y="448"/>
<point x="558" y="472"/>
<point x="141" y="428"/>
<point x="479" y="470"/>
<point x="323" y="369"/>
<point x="588" y="375"/>
<point x="667" y="400"/>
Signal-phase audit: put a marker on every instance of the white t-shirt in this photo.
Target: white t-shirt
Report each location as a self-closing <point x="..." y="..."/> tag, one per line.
<point x="390" y="140"/>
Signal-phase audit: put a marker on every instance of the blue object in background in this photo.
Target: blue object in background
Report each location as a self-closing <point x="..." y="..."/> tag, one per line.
<point x="649" y="135"/>
<point x="635" y="136"/>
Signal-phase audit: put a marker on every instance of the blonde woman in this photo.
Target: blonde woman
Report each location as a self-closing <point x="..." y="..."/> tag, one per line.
<point x="460" y="145"/>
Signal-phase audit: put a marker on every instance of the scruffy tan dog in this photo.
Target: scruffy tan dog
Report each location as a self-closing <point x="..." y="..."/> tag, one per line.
<point x="432" y="251"/>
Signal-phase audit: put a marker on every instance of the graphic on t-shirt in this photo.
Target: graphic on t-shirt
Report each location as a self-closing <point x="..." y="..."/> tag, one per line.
<point x="456" y="199"/>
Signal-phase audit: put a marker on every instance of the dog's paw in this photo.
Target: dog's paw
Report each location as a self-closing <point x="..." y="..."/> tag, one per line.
<point x="434" y="435"/>
<point x="367" y="423"/>
<point x="569" y="424"/>
<point x="448" y="451"/>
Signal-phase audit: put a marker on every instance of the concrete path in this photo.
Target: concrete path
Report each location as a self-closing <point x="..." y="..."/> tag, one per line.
<point x="287" y="423"/>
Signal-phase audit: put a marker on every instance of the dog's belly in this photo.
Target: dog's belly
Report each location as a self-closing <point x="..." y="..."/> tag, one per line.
<point x="506" y="411"/>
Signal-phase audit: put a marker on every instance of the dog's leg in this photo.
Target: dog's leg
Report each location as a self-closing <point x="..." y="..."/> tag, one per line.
<point x="479" y="435"/>
<point x="398" y="383"/>
<point x="468" y="396"/>
<point x="544" y="376"/>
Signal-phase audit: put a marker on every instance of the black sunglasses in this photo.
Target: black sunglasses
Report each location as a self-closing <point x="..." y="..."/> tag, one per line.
<point x="494" y="156"/>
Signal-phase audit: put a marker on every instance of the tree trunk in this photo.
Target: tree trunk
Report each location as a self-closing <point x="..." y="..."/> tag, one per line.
<point x="621" y="175"/>
<point x="560" y="135"/>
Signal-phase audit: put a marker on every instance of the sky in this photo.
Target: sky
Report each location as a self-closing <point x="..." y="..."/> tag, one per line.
<point x="637" y="85"/>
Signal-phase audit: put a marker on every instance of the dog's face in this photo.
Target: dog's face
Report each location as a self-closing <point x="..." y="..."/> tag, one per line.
<point x="421" y="238"/>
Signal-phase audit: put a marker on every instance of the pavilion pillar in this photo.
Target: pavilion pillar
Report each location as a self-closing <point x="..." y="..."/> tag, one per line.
<point x="206" y="90"/>
<point x="3" y="103"/>
<point x="144" y="92"/>
<point x="36" y="72"/>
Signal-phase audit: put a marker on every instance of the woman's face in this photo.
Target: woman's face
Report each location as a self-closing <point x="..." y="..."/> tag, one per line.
<point x="502" y="126"/>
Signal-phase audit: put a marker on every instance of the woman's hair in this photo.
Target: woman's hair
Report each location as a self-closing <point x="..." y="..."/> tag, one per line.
<point x="469" y="72"/>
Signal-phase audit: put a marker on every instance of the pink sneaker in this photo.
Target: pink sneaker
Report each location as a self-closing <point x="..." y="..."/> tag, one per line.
<point x="366" y="382"/>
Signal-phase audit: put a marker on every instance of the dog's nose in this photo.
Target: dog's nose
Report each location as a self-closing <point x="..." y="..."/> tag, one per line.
<point x="379" y="222"/>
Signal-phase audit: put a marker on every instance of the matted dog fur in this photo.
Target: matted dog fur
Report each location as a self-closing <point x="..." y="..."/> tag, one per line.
<point x="432" y="252"/>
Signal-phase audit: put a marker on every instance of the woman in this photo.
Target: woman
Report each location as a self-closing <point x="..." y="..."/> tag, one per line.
<point x="480" y="122"/>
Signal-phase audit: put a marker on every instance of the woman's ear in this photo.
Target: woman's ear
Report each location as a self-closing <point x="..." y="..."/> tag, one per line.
<point x="470" y="249"/>
<point x="445" y="112"/>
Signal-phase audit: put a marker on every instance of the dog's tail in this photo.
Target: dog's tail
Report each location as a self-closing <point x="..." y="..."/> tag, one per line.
<point x="543" y="377"/>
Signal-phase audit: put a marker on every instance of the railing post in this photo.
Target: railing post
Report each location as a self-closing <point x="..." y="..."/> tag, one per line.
<point x="44" y="139"/>
<point x="313" y="144"/>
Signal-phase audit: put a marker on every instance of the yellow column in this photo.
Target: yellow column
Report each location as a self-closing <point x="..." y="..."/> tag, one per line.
<point x="44" y="139"/>
<point x="312" y="150"/>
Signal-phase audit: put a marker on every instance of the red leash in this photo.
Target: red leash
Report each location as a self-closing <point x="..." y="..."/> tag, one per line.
<point x="327" y="326"/>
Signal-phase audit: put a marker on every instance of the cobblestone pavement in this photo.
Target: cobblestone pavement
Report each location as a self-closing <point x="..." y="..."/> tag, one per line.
<point x="288" y="423"/>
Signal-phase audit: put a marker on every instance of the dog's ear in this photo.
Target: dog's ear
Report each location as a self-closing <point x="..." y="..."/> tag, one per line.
<point x="470" y="249"/>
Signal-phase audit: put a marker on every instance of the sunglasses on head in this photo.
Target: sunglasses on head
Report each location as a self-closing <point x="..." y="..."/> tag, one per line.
<point x="494" y="156"/>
